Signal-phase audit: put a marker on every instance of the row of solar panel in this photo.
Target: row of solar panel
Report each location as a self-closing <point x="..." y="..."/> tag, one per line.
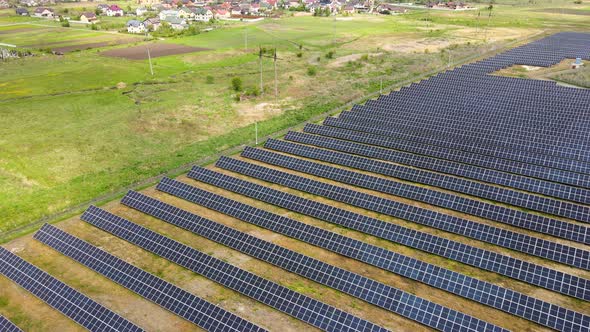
<point x="488" y="294"/>
<point x="552" y="189"/>
<point x="503" y="165"/>
<point x="511" y="151"/>
<point x="371" y="291"/>
<point x="498" y="236"/>
<point x="558" y="228"/>
<point x="8" y="326"/>
<point x="475" y="149"/>
<point x="527" y="272"/>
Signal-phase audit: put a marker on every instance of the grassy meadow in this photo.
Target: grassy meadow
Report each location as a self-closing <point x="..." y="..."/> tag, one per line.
<point x="82" y="125"/>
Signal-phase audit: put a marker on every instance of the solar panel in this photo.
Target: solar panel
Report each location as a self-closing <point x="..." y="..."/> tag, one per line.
<point x="456" y="184"/>
<point x="300" y="306"/>
<point x="483" y="292"/>
<point x="534" y="222"/>
<point x="516" y="241"/>
<point x="484" y="259"/>
<point x="475" y="159"/>
<point x="437" y="165"/>
<point x="8" y="326"/>
<point x="75" y="305"/>
<point x="371" y="291"/>
<point x="159" y="291"/>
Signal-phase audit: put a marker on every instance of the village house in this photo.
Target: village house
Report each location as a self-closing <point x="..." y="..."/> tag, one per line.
<point x="140" y="11"/>
<point x="168" y="13"/>
<point x="387" y="8"/>
<point x="135" y="26"/>
<point x="176" y="23"/>
<point x="152" y="24"/>
<point x="115" y="10"/>
<point x="4" y="4"/>
<point x="203" y="14"/>
<point x="186" y="13"/>
<point x="22" y="12"/>
<point x="88" y="18"/>
<point x="44" y="12"/>
<point x="28" y="3"/>
<point x="222" y="13"/>
<point x="103" y="8"/>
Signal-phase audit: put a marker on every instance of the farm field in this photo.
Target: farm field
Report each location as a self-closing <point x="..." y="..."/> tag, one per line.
<point x="108" y="123"/>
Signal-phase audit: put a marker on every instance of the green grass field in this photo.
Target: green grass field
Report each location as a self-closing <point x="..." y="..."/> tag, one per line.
<point x="82" y="125"/>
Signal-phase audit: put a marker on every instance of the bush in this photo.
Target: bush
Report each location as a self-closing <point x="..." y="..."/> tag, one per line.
<point x="65" y="24"/>
<point x="299" y="54"/>
<point x="93" y="26"/>
<point x="311" y="71"/>
<point x="330" y="55"/>
<point x="255" y="92"/>
<point x="365" y="57"/>
<point x="209" y="80"/>
<point x="236" y="84"/>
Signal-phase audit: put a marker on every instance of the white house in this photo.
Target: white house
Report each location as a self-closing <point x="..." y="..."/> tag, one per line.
<point x="44" y="12"/>
<point x="203" y="14"/>
<point x="168" y="13"/>
<point x="135" y="26"/>
<point x="140" y="11"/>
<point x="88" y="18"/>
<point x="176" y="23"/>
<point x="152" y="24"/>
<point x="115" y="10"/>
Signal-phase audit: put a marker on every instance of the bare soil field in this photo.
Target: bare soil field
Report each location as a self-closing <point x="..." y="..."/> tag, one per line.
<point x="77" y="47"/>
<point x="156" y="50"/>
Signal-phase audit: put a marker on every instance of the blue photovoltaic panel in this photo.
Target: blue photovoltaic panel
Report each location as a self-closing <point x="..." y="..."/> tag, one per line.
<point x="300" y="306"/>
<point x="483" y="292"/>
<point x="379" y="294"/>
<point x="499" y="164"/>
<point x="437" y="165"/>
<point x="75" y="305"/>
<point x="515" y="268"/>
<point x="533" y="222"/>
<point x="8" y="326"/>
<point x="469" y="187"/>
<point x="516" y="241"/>
<point x="194" y="309"/>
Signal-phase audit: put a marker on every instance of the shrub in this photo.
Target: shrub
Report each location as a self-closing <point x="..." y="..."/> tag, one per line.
<point x="311" y="71"/>
<point x="65" y="24"/>
<point x="236" y="84"/>
<point x="299" y="54"/>
<point x="365" y="57"/>
<point x="330" y="55"/>
<point x="209" y="79"/>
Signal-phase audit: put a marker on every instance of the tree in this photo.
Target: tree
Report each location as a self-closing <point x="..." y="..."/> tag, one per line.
<point x="236" y="84"/>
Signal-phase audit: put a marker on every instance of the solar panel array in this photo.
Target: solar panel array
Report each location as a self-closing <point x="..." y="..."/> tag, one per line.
<point x="520" y="242"/>
<point x="379" y="294"/>
<point x="533" y="274"/>
<point x="163" y="293"/>
<point x="513" y="217"/>
<point x="75" y="305"/>
<point x="8" y="326"/>
<point x="518" y="304"/>
<point x="300" y="306"/>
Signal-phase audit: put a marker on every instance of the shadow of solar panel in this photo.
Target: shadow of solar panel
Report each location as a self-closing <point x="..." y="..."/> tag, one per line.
<point x="302" y="307"/>
<point x="371" y="291"/>
<point x="488" y="294"/>
<point x="516" y="241"/>
<point x="8" y="326"/>
<point x="537" y="223"/>
<point x="484" y="259"/>
<point x="192" y="308"/>
<point x="73" y="304"/>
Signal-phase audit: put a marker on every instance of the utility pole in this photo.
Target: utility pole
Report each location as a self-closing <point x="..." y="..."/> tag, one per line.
<point x="276" y="79"/>
<point x="260" y="60"/>
<point x="150" y="60"/>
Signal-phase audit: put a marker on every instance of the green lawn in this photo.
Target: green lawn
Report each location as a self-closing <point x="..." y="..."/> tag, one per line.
<point x="82" y="125"/>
